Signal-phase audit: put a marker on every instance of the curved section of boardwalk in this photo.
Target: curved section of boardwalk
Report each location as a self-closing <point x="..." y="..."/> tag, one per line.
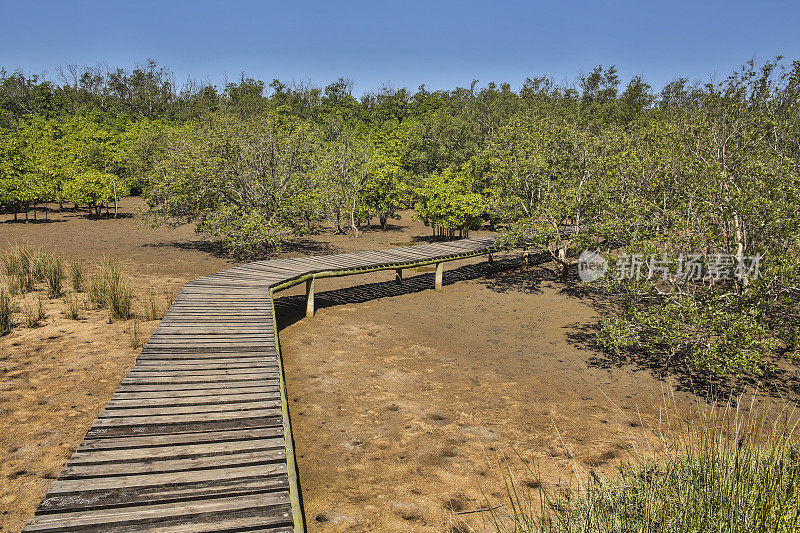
<point x="197" y="437"/>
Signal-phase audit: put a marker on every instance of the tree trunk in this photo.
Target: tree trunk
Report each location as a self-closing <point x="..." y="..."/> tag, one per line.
<point x="562" y="261"/>
<point x="339" y="230"/>
<point x="740" y="244"/>
<point x="353" y="221"/>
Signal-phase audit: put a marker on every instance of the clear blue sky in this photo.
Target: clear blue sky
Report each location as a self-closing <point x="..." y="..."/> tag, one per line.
<point x="403" y="43"/>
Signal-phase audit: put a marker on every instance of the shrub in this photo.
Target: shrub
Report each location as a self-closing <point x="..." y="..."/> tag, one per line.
<point x="700" y="331"/>
<point x="94" y="188"/>
<point x="448" y="202"/>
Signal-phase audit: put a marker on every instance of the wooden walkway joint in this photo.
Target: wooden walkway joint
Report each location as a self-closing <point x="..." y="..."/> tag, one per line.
<point x="197" y="437"/>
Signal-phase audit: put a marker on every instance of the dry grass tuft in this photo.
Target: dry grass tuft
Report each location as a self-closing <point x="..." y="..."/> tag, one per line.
<point x="71" y="306"/>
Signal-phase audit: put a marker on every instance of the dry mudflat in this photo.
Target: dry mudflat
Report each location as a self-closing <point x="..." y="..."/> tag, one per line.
<point x="408" y="406"/>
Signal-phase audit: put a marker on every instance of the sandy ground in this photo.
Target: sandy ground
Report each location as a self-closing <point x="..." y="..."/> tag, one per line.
<point x="426" y="398"/>
<point x="407" y="405"/>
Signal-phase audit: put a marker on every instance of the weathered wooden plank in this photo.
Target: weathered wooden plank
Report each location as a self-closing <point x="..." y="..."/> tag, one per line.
<point x="201" y="437"/>
<point x="177" y="379"/>
<point x="193" y="371"/>
<point x="99" y="431"/>
<point x="167" y="387"/>
<point x="164" y="354"/>
<point x="185" y="418"/>
<point x="247" y="405"/>
<point x="140" y="481"/>
<point x="146" y="365"/>
<point x="247" y="480"/>
<point x="162" y="466"/>
<point x="271" y="508"/>
<point x="190" y="400"/>
<point x="195" y="393"/>
<point x="174" y="451"/>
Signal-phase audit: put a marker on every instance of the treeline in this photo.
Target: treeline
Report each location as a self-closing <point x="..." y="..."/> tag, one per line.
<point x="692" y="168"/>
<point x="96" y="135"/>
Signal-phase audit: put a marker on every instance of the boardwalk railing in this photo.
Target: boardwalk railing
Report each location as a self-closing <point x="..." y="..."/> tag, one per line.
<point x="198" y="436"/>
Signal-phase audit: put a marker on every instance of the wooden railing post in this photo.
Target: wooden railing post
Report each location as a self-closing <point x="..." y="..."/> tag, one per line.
<point x="310" y="297"/>
<point x="438" y="283"/>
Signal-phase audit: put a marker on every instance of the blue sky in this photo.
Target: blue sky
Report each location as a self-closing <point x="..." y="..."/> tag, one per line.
<point x="402" y="43"/>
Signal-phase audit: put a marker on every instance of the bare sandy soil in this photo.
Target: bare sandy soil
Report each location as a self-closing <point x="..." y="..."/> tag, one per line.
<point x="424" y="399"/>
<point x="407" y="405"/>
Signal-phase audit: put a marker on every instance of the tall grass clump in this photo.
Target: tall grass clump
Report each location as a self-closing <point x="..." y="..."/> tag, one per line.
<point x="71" y="306"/>
<point x="18" y="264"/>
<point x="16" y="258"/>
<point x="40" y="264"/>
<point x="120" y="300"/>
<point x="151" y="309"/>
<point x="107" y="289"/>
<point x="6" y="311"/>
<point x="135" y="335"/>
<point x="54" y="275"/>
<point x="170" y="296"/>
<point x="14" y="288"/>
<point x="33" y="311"/>
<point x="729" y="473"/>
<point x="96" y="289"/>
<point x="77" y="275"/>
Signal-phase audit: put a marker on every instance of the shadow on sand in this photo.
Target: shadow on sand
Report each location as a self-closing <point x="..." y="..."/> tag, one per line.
<point x="291" y="309"/>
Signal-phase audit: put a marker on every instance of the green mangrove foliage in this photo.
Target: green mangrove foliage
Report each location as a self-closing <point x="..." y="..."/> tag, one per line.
<point x="693" y="170"/>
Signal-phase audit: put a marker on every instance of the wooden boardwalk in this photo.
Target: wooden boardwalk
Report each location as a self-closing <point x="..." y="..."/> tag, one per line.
<point x="197" y="437"/>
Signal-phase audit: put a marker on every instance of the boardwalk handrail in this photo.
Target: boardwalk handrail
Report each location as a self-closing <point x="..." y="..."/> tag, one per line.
<point x="199" y="431"/>
<point x="388" y="266"/>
